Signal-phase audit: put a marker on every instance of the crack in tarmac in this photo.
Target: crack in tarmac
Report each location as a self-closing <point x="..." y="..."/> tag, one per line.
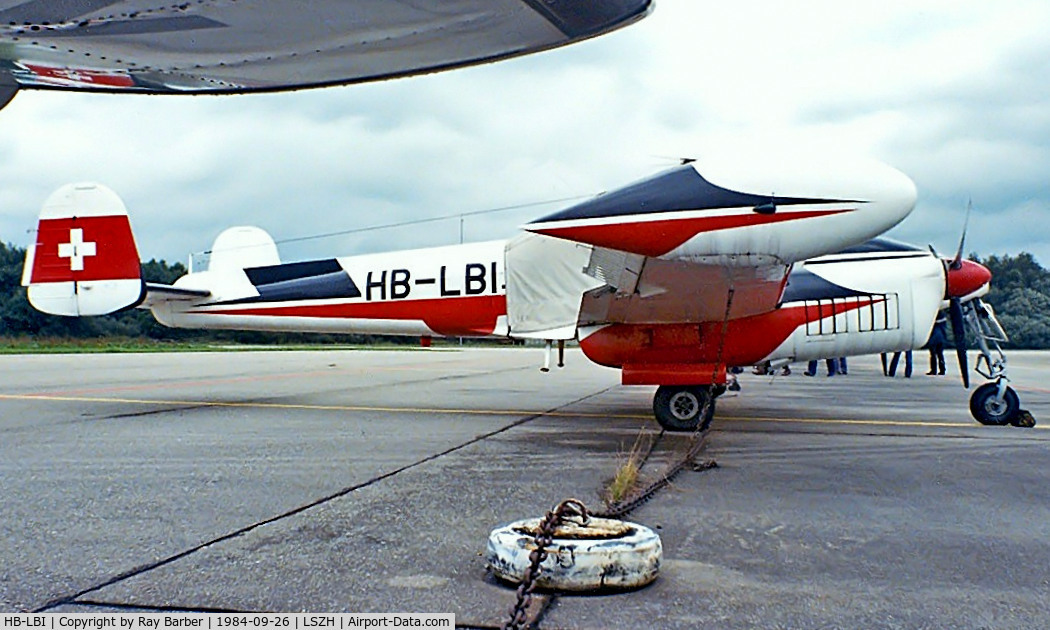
<point x="145" y="568"/>
<point x="90" y="603"/>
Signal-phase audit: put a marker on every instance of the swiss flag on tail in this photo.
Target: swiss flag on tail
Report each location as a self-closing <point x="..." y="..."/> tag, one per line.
<point x="85" y="248"/>
<point x="84" y="260"/>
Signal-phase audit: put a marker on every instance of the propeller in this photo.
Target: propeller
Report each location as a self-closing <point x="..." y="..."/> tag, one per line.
<point x="957" y="261"/>
<point x="959" y="275"/>
<point x="681" y="160"/>
<point x="959" y="332"/>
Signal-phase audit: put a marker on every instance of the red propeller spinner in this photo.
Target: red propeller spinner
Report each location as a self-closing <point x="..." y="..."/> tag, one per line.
<point x="965" y="277"/>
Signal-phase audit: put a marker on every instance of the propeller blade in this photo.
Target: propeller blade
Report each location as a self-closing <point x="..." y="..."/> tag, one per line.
<point x="959" y="332"/>
<point x="957" y="261"/>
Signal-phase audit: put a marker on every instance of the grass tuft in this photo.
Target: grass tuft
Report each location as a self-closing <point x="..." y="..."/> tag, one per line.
<point x="628" y="473"/>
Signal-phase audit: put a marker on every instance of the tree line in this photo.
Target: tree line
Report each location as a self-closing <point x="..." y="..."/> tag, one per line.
<point x="1020" y="295"/>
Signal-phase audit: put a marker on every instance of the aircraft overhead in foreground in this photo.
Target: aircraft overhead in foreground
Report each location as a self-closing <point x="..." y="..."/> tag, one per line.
<point x="234" y="46"/>
<point x="670" y="279"/>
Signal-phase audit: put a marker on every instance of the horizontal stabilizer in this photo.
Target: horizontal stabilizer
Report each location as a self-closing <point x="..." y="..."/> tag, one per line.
<point x="84" y="260"/>
<point x="174" y="293"/>
<point x="158" y="294"/>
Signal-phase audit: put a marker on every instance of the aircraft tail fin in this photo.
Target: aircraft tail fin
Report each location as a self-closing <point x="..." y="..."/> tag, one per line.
<point x="84" y="260"/>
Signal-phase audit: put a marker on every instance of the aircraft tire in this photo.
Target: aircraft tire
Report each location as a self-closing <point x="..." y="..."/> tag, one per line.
<point x="678" y="408"/>
<point x="603" y="555"/>
<point x="986" y="410"/>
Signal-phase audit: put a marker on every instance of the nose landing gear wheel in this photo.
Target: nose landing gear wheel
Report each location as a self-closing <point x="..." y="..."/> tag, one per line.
<point x="987" y="410"/>
<point x="679" y="408"/>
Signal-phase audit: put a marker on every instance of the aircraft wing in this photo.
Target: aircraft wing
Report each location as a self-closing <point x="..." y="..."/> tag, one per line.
<point x="251" y="45"/>
<point x="693" y="244"/>
<point x="555" y="286"/>
<point x="646" y="290"/>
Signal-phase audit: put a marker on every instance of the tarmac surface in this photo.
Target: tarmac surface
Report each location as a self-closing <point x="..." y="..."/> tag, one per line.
<point x="368" y="481"/>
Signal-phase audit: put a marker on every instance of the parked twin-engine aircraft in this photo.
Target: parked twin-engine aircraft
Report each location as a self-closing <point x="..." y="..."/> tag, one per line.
<point x="670" y="279"/>
<point x="234" y="46"/>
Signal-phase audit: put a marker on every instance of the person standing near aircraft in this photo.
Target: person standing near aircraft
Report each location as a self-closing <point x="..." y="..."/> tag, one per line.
<point x="891" y="369"/>
<point x="938" y="337"/>
<point x="833" y="367"/>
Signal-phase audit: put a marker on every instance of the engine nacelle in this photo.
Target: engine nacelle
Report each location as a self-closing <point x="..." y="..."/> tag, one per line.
<point x="878" y="297"/>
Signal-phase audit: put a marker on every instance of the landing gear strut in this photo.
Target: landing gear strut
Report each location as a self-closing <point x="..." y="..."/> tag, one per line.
<point x="994" y="403"/>
<point x="684" y="407"/>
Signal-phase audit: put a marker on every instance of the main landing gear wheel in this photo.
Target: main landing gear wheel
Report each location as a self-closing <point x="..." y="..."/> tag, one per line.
<point x="679" y="408"/>
<point x="987" y="410"/>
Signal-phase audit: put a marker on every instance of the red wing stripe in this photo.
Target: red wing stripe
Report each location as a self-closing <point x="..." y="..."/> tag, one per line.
<point x="659" y="236"/>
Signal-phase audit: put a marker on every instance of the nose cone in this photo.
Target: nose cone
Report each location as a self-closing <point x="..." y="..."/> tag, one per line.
<point x="969" y="277"/>
<point x="896" y="194"/>
<point x="878" y="195"/>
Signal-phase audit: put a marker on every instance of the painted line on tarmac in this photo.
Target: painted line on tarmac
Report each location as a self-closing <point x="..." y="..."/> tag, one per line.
<point x="243" y="379"/>
<point x="1028" y="388"/>
<point x="302" y="407"/>
<point x="877" y="423"/>
<point x="488" y="412"/>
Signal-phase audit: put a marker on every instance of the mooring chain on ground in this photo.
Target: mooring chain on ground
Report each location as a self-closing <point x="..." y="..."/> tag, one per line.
<point x="652" y="447"/>
<point x="642" y="496"/>
<point x="519" y="618"/>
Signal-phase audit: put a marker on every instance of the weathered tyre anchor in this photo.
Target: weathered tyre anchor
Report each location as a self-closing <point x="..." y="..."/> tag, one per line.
<point x="584" y="553"/>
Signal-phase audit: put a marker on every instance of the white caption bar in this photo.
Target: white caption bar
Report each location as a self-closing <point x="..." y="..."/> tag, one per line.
<point x="222" y="621"/>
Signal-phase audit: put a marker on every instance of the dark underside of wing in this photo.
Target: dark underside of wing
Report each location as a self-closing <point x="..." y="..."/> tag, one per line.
<point x="254" y="45"/>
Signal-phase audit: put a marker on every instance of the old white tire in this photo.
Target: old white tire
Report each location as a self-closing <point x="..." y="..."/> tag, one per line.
<point x="614" y="555"/>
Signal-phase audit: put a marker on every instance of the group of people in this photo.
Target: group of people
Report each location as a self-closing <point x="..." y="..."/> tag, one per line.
<point x="935" y="344"/>
<point x="835" y="366"/>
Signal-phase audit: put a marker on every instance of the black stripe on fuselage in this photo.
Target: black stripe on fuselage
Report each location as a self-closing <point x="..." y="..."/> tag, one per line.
<point x="291" y="282"/>
<point x="882" y="245"/>
<point x="677" y="189"/>
<point x="292" y="271"/>
<point x="831" y="261"/>
<point x="805" y="285"/>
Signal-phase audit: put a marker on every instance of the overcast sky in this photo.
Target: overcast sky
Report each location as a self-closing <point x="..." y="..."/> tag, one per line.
<point x="954" y="93"/>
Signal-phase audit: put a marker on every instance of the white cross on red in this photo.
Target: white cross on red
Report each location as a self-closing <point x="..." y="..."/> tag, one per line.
<point x="76" y="250"/>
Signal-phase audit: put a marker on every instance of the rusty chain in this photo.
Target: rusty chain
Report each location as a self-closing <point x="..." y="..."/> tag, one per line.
<point x="545" y="534"/>
<point x="698" y="442"/>
<point x="518" y="619"/>
<point x="639" y="498"/>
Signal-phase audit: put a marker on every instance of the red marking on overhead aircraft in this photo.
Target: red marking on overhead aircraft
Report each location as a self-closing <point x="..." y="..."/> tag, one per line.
<point x="50" y="75"/>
